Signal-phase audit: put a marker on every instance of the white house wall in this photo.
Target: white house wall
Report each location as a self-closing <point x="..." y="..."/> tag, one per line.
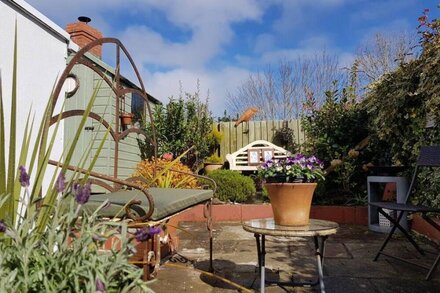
<point x="42" y="51"/>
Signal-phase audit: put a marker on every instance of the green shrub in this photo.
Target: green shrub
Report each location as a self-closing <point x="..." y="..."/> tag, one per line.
<point x="232" y="186"/>
<point x="333" y="130"/>
<point x="181" y="124"/>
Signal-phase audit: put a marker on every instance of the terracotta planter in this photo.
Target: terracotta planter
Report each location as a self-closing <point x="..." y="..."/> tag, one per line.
<point x="209" y="167"/>
<point x="291" y="202"/>
<point x="126" y="118"/>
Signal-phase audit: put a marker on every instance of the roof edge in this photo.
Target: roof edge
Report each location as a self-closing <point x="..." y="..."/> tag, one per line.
<point x="39" y="18"/>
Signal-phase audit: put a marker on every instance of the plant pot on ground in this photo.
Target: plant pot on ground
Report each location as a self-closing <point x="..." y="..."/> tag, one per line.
<point x="212" y="163"/>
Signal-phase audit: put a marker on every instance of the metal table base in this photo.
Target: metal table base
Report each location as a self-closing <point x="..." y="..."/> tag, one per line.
<point x="319" y="242"/>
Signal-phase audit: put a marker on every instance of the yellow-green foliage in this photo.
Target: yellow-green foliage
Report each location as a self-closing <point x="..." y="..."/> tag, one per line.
<point x="214" y="159"/>
<point x="169" y="179"/>
<point x="216" y="134"/>
<point x="232" y="186"/>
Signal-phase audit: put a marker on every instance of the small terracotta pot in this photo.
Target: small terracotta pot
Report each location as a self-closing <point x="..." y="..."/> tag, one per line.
<point x="291" y="202"/>
<point x="126" y="118"/>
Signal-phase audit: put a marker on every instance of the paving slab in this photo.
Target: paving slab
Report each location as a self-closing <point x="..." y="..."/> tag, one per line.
<point x="348" y="265"/>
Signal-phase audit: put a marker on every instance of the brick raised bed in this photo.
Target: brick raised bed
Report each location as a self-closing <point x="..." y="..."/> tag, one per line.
<point x="421" y="226"/>
<point x="357" y="215"/>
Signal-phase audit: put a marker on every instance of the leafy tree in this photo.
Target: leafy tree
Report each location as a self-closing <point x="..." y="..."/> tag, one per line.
<point x="181" y="124"/>
<point x="333" y="131"/>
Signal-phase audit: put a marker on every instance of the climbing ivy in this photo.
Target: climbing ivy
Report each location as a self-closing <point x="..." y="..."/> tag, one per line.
<point x="404" y="111"/>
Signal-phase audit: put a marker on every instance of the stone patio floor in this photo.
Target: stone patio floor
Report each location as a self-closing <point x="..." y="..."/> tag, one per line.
<point x="348" y="265"/>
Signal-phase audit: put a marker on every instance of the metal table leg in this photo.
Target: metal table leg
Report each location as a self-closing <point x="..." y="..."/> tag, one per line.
<point x="261" y="251"/>
<point x="319" y="248"/>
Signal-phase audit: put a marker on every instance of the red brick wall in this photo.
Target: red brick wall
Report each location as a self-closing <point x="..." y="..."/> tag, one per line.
<point x="81" y="34"/>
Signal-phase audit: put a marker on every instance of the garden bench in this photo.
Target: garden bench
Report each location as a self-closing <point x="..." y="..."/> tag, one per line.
<point x="239" y="160"/>
<point x="146" y="207"/>
<point x="129" y="200"/>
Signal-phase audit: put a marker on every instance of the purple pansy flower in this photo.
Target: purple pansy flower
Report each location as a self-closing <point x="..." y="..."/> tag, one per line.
<point x="24" y="177"/>
<point x="82" y="193"/>
<point x="291" y="168"/>
<point x="100" y="286"/>
<point x="3" y="226"/>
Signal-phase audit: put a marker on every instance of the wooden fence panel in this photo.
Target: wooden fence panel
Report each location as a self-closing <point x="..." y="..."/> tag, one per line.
<point x="235" y="138"/>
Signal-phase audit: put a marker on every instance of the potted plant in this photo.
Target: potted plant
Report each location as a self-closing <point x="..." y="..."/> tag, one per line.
<point x="212" y="163"/>
<point x="290" y="184"/>
<point x="126" y="118"/>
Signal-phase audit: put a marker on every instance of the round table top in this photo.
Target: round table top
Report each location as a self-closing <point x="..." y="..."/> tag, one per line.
<point x="268" y="227"/>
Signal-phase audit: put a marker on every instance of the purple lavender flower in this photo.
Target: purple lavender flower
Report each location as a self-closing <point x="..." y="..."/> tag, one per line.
<point x="144" y="234"/>
<point x="100" y="286"/>
<point x="24" y="177"/>
<point x="155" y="230"/>
<point x="60" y="184"/>
<point x="82" y="193"/>
<point x="3" y="226"/>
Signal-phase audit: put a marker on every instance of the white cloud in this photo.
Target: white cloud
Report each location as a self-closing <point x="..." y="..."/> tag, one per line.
<point x="210" y="25"/>
<point x="208" y="22"/>
<point x="296" y="14"/>
<point x="166" y="84"/>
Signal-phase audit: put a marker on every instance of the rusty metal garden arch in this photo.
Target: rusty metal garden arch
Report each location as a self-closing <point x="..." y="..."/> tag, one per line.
<point x="117" y="88"/>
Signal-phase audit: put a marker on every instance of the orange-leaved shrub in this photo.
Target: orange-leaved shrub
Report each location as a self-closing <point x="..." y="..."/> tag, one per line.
<point x="169" y="179"/>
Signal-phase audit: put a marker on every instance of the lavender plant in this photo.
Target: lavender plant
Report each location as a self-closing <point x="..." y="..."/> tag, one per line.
<point x="67" y="256"/>
<point x="48" y="244"/>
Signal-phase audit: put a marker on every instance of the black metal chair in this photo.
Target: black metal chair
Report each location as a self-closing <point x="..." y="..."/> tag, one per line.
<point x="429" y="157"/>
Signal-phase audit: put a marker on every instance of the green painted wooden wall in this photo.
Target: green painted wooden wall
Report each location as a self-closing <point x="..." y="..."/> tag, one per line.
<point x="104" y="105"/>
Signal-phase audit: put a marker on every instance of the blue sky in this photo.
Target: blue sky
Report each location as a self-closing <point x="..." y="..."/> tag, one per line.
<point x="220" y="42"/>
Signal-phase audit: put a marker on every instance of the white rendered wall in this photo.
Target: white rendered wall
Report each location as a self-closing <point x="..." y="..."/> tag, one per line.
<point x="42" y="52"/>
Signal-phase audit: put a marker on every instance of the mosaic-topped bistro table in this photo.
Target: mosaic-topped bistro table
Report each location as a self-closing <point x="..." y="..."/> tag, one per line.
<point x="318" y="229"/>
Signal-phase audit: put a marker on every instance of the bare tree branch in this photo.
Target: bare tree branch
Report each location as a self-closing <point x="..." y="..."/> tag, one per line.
<point x="280" y="94"/>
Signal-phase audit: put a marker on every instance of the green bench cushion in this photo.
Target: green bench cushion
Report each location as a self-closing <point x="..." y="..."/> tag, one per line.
<point x="167" y="201"/>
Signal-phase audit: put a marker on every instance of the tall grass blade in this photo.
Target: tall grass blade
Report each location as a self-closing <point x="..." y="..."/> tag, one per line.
<point x="22" y="161"/>
<point x="12" y="133"/>
<point x="3" y="194"/>
<point x="2" y="144"/>
<point x="50" y="199"/>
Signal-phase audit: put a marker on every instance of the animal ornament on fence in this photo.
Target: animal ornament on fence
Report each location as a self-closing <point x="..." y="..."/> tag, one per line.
<point x="246" y="116"/>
